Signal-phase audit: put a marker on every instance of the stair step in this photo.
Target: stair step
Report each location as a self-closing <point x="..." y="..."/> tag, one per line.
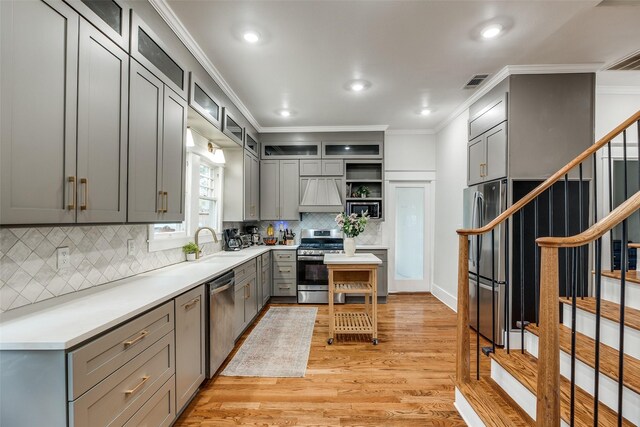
<point x="523" y="367"/>
<point x="631" y="276"/>
<point x="611" y="288"/>
<point x="608" y="310"/>
<point x="585" y="352"/>
<point x="492" y="405"/>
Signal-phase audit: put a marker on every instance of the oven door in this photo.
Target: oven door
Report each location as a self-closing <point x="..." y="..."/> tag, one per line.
<point x="313" y="281"/>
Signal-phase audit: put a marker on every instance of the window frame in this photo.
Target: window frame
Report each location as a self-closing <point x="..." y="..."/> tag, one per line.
<point x="164" y="241"/>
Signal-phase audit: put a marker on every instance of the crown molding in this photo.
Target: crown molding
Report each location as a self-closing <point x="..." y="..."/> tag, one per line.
<point x="410" y="132"/>
<point x="169" y="16"/>
<point x="618" y="90"/>
<point x="292" y="129"/>
<point x="513" y="70"/>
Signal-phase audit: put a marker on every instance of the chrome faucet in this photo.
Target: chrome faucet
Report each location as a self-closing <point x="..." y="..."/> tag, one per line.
<point x="213" y="232"/>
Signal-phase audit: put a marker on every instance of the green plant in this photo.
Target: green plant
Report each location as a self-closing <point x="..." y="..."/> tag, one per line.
<point x="363" y="191"/>
<point x="190" y="248"/>
<point x="352" y="225"/>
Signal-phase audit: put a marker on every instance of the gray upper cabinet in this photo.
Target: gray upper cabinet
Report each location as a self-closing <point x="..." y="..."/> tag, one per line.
<point x="332" y="167"/>
<point x="111" y="17"/>
<point x="103" y="82"/>
<point x="488" y="117"/>
<point x="487" y="156"/>
<point x="39" y="106"/>
<point x="352" y="150"/>
<point x="174" y="136"/>
<point x="190" y="324"/>
<point x="289" y="190"/>
<point x="204" y="103"/>
<point x="232" y="129"/>
<point x="270" y="189"/>
<point x="251" y="144"/>
<point x="279" y="190"/>
<point x="251" y="187"/>
<point x="150" y="51"/>
<point x="157" y="133"/>
<point x="291" y="150"/>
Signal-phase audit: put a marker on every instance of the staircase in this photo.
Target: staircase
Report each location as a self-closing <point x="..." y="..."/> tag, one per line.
<point x="578" y="362"/>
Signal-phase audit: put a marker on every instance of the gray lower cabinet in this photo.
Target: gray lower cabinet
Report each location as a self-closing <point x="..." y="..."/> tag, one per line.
<point x="279" y="190"/>
<point x="251" y="187"/>
<point x="266" y="277"/>
<point x="383" y="286"/>
<point x="157" y="132"/>
<point x="245" y="307"/>
<point x="284" y="273"/>
<point x="190" y="344"/>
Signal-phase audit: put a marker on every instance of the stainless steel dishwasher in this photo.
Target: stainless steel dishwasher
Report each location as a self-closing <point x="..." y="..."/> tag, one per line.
<point x="221" y="304"/>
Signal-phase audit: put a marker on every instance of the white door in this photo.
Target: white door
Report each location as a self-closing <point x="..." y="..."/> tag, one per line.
<point x="410" y="216"/>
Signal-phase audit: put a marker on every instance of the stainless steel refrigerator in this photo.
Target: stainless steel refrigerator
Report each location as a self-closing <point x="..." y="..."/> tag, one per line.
<point x="483" y="203"/>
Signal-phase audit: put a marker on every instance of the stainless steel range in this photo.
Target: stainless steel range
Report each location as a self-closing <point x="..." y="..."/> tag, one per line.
<point x="313" y="276"/>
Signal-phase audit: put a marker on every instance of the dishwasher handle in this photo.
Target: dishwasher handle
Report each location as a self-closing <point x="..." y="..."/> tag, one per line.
<point x="221" y="288"/>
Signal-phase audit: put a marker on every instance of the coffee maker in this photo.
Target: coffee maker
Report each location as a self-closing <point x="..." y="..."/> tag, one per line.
<point x="254" y="234"/>
<point x="232" y="240"/>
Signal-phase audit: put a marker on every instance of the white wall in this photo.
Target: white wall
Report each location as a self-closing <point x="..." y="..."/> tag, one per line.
<point x="409" y="152"/>
<point x="451" y="166"/>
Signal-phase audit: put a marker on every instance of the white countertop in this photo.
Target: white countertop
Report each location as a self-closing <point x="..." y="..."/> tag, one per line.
<point x="64" y="322"/>
<point x="356" y="259"/>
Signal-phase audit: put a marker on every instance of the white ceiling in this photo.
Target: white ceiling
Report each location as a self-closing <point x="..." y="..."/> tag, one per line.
<point x="415" y="53"/>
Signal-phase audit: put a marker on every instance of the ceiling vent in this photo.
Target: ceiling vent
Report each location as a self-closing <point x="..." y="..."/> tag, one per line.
<point x="476" y="81"/>
<point x="631" y="63"/>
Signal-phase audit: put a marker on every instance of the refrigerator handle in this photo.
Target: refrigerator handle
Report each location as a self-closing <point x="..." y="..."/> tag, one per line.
<point x="474" y="224"/>
<point x="480" y="219"/>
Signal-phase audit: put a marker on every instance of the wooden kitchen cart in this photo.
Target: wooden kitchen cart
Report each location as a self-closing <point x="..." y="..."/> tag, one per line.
<point x="353" y="275"/>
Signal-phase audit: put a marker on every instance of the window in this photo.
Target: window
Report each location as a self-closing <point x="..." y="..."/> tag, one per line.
<point x="203" y="200"/>
<point x="208" y="195"/>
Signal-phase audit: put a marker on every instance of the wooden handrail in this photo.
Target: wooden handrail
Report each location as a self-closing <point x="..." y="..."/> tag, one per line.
<point x="615" y="217"/>
<point x="552" y="179"/>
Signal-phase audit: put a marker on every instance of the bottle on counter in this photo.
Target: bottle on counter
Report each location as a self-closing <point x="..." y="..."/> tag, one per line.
<point x="281" y="240"/>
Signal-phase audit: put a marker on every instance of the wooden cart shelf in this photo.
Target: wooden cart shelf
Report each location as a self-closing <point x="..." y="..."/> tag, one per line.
<point x="353" y="323"/>
<point x="353" y="288"/>
<point x="353" y="278"/>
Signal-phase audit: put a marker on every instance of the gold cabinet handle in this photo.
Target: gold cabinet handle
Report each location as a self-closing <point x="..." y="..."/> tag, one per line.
<point x="72" y="180"/>
<point x="85" y="201"/>
<point x="138" y="387"/>
<point x="288" y="270"/>
<point x="166" y="201"/>
<point x="284" y="287"/>
<point x="192" y="303"/>
<point x="142" y="334"/>
<point x="161" y="204"/>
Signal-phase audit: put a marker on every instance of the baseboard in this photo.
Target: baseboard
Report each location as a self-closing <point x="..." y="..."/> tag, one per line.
<point x="444" y="296"/>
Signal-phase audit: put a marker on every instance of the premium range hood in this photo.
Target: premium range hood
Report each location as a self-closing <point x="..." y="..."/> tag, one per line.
<point x="321" y="195"/>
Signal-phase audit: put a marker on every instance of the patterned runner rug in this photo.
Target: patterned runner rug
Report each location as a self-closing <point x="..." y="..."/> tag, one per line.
<point x="278" y="346"/>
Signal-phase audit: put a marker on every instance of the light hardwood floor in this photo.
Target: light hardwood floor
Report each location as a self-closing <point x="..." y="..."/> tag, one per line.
<point x="405" y="380"/>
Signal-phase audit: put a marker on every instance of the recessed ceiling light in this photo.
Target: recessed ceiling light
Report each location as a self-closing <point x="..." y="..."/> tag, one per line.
<point x="285" y="113"/>
<point x="347" y="148"/>
<point x="491" y="31"/>
<point x="425" y="112"/>
<point x="358" y="85"/>
<point x="251" y="37"/>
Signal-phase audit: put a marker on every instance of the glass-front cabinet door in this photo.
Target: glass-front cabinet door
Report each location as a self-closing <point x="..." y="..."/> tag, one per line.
<point x="203" y="102"/>
<point x="232" y="129"/>
<point x="251" y="144"/>
<point x="352" y="150"/>
<point x="150" y="51"/>
<point x="110" y="16"/>
<point x="291" y="150"/>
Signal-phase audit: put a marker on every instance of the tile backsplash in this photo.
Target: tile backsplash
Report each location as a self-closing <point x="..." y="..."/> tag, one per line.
<point x="98" y="255"/>
<point x="372" y="234"/>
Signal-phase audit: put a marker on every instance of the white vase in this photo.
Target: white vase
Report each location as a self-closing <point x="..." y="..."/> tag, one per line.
<point x="349" y="246"/>
<point x="191" y="257"/>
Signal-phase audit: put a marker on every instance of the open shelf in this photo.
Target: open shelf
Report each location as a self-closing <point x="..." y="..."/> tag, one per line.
<point x="353" y="323"/>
